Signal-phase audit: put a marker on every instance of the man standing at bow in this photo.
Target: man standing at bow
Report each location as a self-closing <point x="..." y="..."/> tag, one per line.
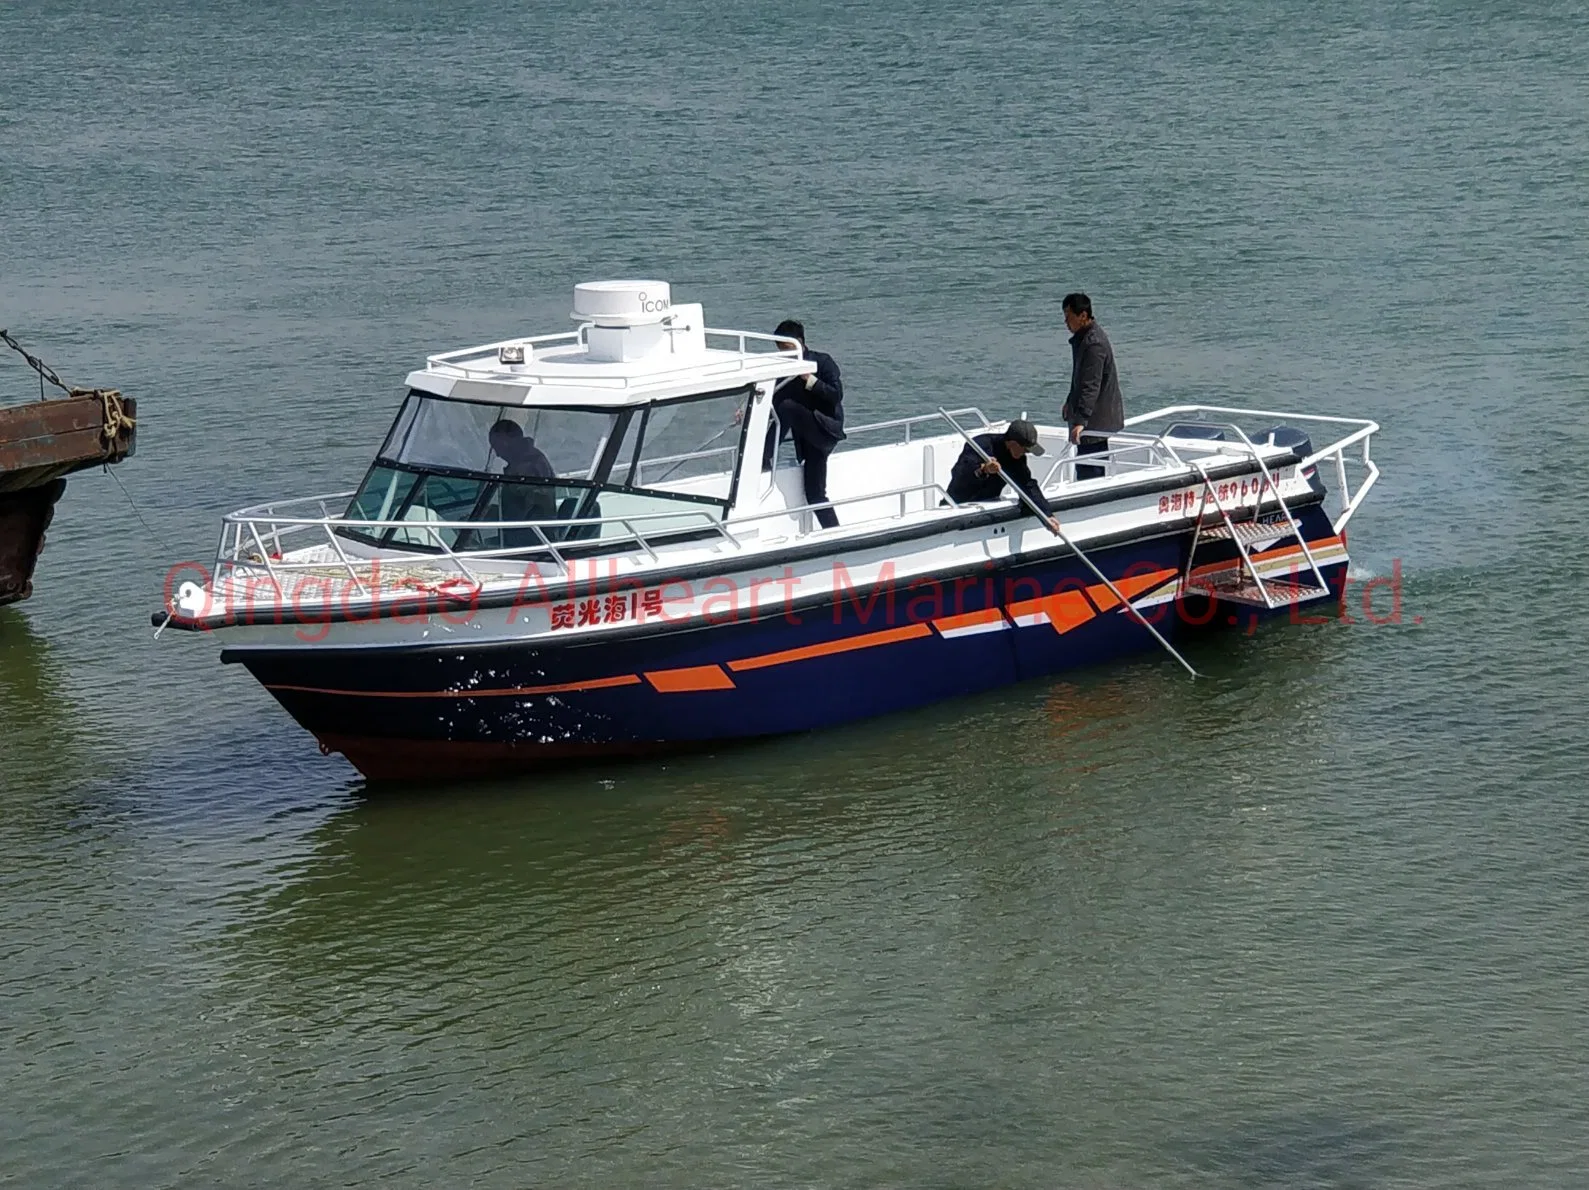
<point x="1094" y="407"/>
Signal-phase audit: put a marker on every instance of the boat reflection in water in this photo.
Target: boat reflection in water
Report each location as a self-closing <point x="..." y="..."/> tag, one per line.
<point x="578" y="545"/>
<point x="40" y="739"/>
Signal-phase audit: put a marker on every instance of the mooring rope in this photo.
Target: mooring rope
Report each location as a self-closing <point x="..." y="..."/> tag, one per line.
<point x="117" y="418"/>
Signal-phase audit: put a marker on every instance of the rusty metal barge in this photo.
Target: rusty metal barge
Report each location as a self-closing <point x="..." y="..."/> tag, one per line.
<point x="41" y="443"/>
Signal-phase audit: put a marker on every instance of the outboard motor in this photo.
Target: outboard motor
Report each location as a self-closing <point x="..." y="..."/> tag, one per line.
<point x="1194" y="429"/>
<point x="1298" y="441"/>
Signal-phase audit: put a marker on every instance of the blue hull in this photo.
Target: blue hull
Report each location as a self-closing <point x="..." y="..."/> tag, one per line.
<point x="414" y="712"/>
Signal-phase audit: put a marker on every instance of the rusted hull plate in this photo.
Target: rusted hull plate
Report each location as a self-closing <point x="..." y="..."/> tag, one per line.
<point x="24" y="516"/>
<point x="40" y="443"/>
<point x="45" y="440"/>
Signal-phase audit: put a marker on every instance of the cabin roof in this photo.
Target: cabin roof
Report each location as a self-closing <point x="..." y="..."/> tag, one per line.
<point x="616" y="357"/>
<point x="576" y="383"/>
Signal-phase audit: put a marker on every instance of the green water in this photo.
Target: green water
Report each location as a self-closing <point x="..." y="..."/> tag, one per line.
<point x="1317" y="920"/>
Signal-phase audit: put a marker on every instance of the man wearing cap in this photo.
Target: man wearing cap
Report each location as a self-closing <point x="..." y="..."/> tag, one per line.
<point x="810" y="410"/>
<point x="974" y="478"/>
<point x="1094" y="406"/>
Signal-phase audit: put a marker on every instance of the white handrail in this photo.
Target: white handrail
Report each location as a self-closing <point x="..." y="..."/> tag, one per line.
<point x="1182" y="410"/>
<point x="271" y="520"/>
<point x="274" y="567"/>
<point x="919" y="419"/>
<point x="268" y="512"/>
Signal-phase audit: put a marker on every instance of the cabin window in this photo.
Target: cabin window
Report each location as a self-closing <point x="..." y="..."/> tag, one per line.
<point x="432" y="432"/>
<point x="437" y="498"/>
<point x="669" y="467"/>
<point x="691" y="446"/>
<point x="383" y="494"/>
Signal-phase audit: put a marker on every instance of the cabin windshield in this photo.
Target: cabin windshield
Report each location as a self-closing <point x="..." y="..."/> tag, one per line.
<point x="473" y="461"/>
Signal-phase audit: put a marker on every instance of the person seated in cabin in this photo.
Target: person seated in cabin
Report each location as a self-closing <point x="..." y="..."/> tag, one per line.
<point x="810" y="409"/>
<point x="523" y="501"/>
<point x="975" y="478"/>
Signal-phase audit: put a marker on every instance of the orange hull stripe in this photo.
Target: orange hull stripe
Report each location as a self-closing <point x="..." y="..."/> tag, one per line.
<point x="1272" y="554"/>
<point x="1129" y="587"/>
<point x="1029" y="607"/>
<point x="696" y="677"/>
<point x="1067" y="610"/>
<point x="866" y="641"/>
<point x="988" y="615"/>
<point x="1291" y="547"/>
<point x="1070" y="609"/>
<point x="561" y="688"/>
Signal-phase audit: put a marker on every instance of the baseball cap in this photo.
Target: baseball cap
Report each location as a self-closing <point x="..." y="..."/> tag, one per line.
<point x="1025" y="433"/>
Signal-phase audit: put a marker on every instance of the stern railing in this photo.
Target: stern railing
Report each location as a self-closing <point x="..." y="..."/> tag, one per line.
<point x="1359" y="433"/>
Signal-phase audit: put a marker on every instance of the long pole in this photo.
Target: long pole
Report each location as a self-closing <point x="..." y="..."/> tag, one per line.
<point x="1074" y="548"/>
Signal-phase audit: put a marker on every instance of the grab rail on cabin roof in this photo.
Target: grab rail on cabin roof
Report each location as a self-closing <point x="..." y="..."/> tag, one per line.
<point x="744" y="353"/>
<point x="456" y="359"/>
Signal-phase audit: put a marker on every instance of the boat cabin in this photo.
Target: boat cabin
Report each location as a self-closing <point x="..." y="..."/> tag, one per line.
<point x="640" y="421"/>
<point x="641" y="426"/>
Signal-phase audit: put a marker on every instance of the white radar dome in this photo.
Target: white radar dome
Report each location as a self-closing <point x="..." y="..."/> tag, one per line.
<point x="622" y="303"/>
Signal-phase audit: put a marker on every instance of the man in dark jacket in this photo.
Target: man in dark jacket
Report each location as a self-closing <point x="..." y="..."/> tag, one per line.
<point x="810" y="410"/>
<point x="518" y="452"/>
<point x="523" y="460"/>
<point x="975" y="478"/>
<point x="521" y="501"/>
<point x="1094" y="406"/>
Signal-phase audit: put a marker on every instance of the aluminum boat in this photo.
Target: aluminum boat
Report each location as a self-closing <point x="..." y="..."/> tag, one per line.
<point x="654" y="579"/>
